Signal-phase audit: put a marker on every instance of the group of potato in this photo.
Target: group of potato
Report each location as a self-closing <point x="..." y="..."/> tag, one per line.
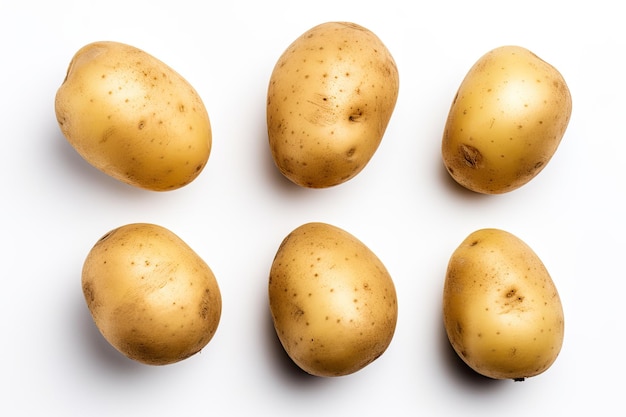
<point x="334" y="305"/>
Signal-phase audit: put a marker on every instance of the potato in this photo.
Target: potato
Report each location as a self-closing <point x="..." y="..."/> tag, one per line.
<point x="329" y="101"/>
<point x="501" y="309"/>
<point x="150" y="295"/>
<point x="333" y="303"/>
<point x="506" y="121"/>
<point x="133" y="117"/>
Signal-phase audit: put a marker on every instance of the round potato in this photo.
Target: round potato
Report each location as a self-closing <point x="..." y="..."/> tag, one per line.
<point x="501" y="309"/>
<point x="150" y="295"/>
<point x="332" y="301"/>
<point x="330" y="98"/>
<point x="133" y="117"/>
<point x="506" y="121"/>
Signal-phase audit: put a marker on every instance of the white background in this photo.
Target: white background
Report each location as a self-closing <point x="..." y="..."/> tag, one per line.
<point x="403" y="206"/>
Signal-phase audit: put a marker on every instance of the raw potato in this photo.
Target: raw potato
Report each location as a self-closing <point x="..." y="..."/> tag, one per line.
<point x="330" y="98"/>
<point x="506" y="121"/>
<point x="501" y="309"/>
<point x="133" y="117"/>
<point x="150" y="295"/>
<point x="332" y="301"/>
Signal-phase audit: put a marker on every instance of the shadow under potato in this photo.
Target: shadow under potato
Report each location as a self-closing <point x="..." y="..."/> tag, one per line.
<point x="105" y="355"/>
<point x="277" y="180"/>
<point x="77" y="167"/>
<point x="285" y="367"/>
<point x="459" y="370"/>
<point x="460" y="191"/>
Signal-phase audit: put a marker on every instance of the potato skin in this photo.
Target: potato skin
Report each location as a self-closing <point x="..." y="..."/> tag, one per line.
<point x="506" y="121"/>
<point x="501" y="309"/>
<point x="329" y="101"/>
<point x="150" y="295"/>
<point x="133" y="117"/>
<point x="333" y="303"/>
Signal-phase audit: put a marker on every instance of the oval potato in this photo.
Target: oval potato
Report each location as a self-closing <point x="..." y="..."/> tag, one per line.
<point x="506" y="121"/>
<point x="333" y="302"/>
<point x="329" y="101"/>
<point x="150" y="295"/>
<point x="133" y="117"/>
<point x="502" y="311"/>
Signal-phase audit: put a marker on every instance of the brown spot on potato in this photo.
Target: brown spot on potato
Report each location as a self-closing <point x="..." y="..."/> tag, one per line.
<point x="354" y="117"/>
<point x="205" y="304"/>
<point x="88" y="292"/>
<point x="298" y="313"/>
<point x="472" y="156"/>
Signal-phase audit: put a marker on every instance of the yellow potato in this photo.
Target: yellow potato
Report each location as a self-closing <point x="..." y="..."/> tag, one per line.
<point x="150" y="295"/>
<point x="133" y="117"/>
<point x="506" y="121"/>
<point x="501" y="309"/>
<point x="332" y="301"/>
<point x="330" y="98"/>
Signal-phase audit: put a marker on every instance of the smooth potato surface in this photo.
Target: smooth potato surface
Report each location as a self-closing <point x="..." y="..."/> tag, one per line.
<point x="133" y="117"/>
<point x="150" y="295"/>
<point x="333" y="303"/>
<point x="506" y="121"/>
<point x="329" y="101"/>
<point x="502" y="311"/>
